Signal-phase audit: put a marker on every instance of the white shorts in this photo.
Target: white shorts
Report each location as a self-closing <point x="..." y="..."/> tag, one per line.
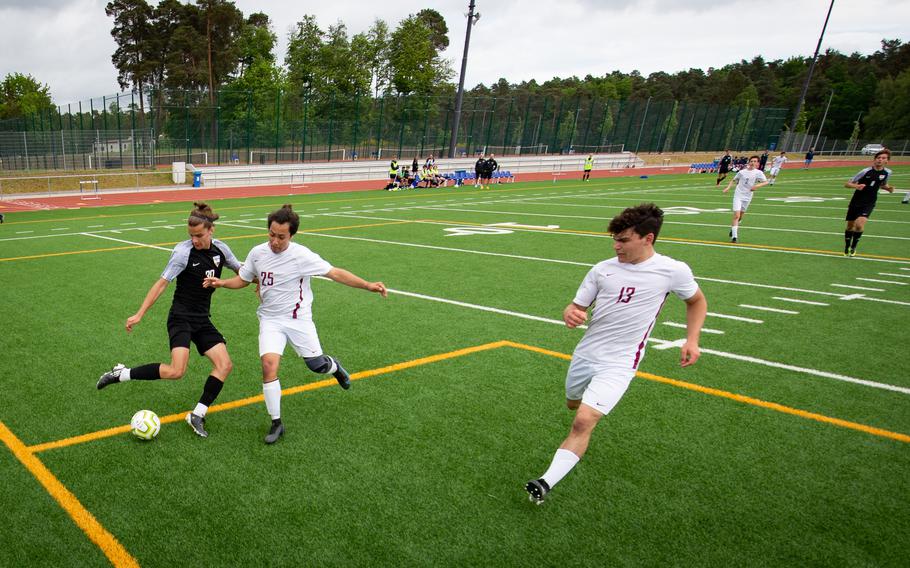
<point x="598" y="385"/>
<point x="775" y="171"/>
<point x="740" y="204"/>
<point x="275" y="333"/>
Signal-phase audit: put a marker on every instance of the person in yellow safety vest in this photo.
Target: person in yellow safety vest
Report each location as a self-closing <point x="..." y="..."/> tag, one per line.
<point x="589" y="165"/>
<point x="437" y="179"/>
<point x="394" y="170"/>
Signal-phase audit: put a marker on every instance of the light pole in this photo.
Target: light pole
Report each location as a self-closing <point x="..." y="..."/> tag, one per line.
<point x="472" y="19"/>
<point x="802" y="96"/>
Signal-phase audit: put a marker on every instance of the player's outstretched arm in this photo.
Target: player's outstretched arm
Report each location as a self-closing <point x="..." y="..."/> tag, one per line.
<point x="574" y="315"/>
<point x="342" y="276"/>
<point x="696" y="310"/>
<point x="729" y="185"/>
<point x="758" y="185"/>
<point x="154" y="292"/>
<point x="232" y="283"/>
<point x="888" y="188"/>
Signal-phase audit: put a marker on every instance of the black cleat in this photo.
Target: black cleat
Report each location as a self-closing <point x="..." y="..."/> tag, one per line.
<point x="197" y="423"/>
<point x="275" y="432"/>
<point x="733" y="240"/>
<point x="537" y="490"/>
<point x="852" y="252"/>
<point x="342" y="376"/>
<point x="111" y="377"/>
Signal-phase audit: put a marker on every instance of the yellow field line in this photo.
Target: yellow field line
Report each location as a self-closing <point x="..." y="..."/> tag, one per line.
<point x="104" y="540"/>
<point x="742" y="398"/>
<point x="108" y="432"/>
<point x="172" y="243"/>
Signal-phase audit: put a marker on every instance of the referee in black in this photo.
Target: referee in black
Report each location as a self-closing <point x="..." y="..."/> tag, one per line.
<point x="866" y="185"/>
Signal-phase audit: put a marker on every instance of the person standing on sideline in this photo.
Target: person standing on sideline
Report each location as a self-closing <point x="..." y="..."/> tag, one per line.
<point x="490" y="166"/>
<point x="724" y="167"/>
<point x="747" y="181"/>
<point x="479" y="166"/>
<point x="776" y="165"/>
<point x="763" y="160"/>
<point x="415" y="167"/>
<point x="589" y="165"/>
<point x="627" y="293"/>
<point x="809" y="156"/>
<point x="866" y="184"/>
<point x="189" y="320"/>
<point x="394" y="172"/>
<point x="283" y="269"/>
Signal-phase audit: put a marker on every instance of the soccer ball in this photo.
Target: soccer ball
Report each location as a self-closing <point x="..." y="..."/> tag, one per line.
<point x="145" y="425"/>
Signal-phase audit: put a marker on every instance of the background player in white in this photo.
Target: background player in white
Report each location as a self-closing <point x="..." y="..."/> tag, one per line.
<point x="626" y="293"/>
<point x="189" y="319"/>
<point x="747" y="181"/>
<point x="776" y="165"/>
<point x="283" y="270"/>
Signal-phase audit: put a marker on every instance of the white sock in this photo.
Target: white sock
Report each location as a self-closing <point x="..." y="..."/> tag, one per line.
<point x="124" y="375"/>
<point x="272" y="393"/>
<point x="562" y="464"/>
<point x="735" y="229"/>
<point x="200" y="410"/>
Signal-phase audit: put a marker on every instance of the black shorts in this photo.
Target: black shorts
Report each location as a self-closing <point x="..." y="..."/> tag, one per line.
<point x="183" y="329"/>
<point x="723" y="169"/>
<point x="393" y="177"/>
<point x="856" y="210"/>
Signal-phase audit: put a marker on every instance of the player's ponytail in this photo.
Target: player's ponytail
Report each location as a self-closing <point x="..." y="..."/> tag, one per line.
<point x="202" y="214"/>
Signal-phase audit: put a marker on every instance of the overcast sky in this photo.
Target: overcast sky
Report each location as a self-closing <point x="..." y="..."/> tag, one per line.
<point x="67" y="43"/>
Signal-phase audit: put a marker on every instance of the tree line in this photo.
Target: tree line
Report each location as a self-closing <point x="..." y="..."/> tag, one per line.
<point x="210" y="47"/>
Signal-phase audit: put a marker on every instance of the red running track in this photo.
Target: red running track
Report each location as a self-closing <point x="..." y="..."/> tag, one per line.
<point x="23" y="204"/>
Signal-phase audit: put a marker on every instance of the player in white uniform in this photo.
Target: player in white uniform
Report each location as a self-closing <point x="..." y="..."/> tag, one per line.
<point x="625" y="295"/>
<point x="776" y="165"/>
<point x="283" y="270"/>
<point x="747" y="181"/>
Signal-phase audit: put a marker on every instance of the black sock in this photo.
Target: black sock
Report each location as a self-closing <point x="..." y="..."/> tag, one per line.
<point x="856" y="236"/>
<point x="848" y="238"/>
<point x="148" y="372"/>
<point x="210" y="390"/>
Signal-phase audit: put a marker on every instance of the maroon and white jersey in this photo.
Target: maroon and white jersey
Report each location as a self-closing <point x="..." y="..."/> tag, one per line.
<point x="627" y="299"/>
<point x="284" y="279"/>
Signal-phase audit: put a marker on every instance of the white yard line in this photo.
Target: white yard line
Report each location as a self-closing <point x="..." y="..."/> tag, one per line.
<point x="127" y="242"/>
<point x="895" y="275"/>
<point x="737" y="318"/>
<point x="881" y="281"/>
<point x="767" y="309"/>
<point x="684" y="326"/>
<point x="858" y="288"/>
<point x="800" y="301"/>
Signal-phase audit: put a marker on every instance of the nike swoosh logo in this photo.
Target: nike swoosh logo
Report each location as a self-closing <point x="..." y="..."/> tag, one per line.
<point x="195" y="264"/>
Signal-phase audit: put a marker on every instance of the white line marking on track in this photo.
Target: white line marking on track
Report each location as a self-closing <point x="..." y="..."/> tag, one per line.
<point x="881" y="281"/>
<point x="683" y="326"/>
<point x="859" y="288"/>
<point x="767" y="309"/>
<point x="800" y="301"/>
<point x="737" y="318"/>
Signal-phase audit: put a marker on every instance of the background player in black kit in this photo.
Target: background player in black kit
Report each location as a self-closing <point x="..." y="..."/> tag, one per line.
<point x="866" y="183"/>
<point x="724" y="166"/>
<point x="763" y="160"/>
<point x="189" y="319"/>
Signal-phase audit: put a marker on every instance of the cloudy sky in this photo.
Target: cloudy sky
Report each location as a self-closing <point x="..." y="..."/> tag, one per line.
<point x="67" y="44"/>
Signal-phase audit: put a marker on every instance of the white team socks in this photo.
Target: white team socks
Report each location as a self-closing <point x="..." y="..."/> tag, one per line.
<point x="735" y="229"/>
<point x="562" y="464"/>
<point x="272" y="393"/>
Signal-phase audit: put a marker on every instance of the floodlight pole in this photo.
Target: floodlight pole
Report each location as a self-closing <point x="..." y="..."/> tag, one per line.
<point x="802" y="96"/>
<point x="464" y="65"/>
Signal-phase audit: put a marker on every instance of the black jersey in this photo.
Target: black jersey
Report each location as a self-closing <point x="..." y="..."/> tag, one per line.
<point x="479" y="165"/>
<point x="725" y="163"/>
<point x="873" y="180"/>
<point x="762" y="161"/>
<point x="190" y="267"/>
<point x="491" y="166"/>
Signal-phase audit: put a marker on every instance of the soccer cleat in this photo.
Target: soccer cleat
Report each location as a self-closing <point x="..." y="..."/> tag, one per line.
<point x="111" y="377"/>
<point x="342" y="376"/>
<point x="852" y="252"/>
<point x="275" y="432"/>
<point x="537" y="490"/>
<point x="197" y="423"/>
<point x="733" y="240"/>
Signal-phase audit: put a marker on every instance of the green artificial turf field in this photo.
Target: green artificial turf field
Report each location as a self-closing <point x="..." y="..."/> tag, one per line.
<point x="788" y="443"/>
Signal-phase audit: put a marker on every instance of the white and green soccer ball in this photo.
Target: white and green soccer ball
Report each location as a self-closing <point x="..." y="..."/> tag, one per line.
<point x="145" y="425"/>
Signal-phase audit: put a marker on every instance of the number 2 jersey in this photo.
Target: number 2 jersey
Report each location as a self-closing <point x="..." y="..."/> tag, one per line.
<point x="284" y="279"/>
<point x="874" y="180"/>
<point x="190" y="267"/>
<point x="627" y="299"/>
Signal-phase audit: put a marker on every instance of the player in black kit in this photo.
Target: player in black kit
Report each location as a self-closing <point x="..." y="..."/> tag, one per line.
<point x="189" y="320"/>
<point x="866" y="184"/>
<point x="724" y="166"/>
